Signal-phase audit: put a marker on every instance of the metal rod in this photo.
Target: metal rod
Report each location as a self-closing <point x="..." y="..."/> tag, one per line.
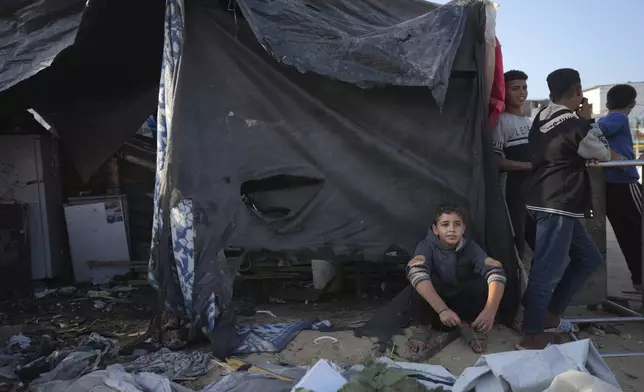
<point x="642" y="239"/>
<point x="614" y="355"/>
<point x="574" y="338"/>
<point x="605" y="320"/>
<point x="139" y="161"/>
<point x="630" y="162"/>
<point x="618" y="309"/>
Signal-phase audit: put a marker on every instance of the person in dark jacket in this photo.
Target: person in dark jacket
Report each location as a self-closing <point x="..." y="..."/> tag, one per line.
<point x="456" y="284"/>
<point x="623" y="190"/>
<point x="563" y="139"/>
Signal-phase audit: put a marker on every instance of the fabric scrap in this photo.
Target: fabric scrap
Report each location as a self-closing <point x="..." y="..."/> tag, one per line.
<point x="171" y="364"/>
<point x="497" y="94"/>
<point x="272" y="338"/>
<point x="379" y="377"/>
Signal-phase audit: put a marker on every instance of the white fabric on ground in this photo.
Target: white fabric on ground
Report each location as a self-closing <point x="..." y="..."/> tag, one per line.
<point x="533" y="370"/>
<point x="573" y="381"/>
<point x="112" y="379"/>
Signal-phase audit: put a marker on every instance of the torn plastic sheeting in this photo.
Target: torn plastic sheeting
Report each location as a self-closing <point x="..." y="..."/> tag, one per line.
<point x="367" y="43"/>
<point x="171" y="364"/>
<point x="33" y="34"/>
<point x="112" y="379"/>
<point x="83" y="359"/>
<point x="533" y="370"/>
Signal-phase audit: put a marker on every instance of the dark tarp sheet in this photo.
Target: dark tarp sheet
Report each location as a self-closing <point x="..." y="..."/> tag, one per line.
<point x="32" y="33"/>
<point x="98" y="90"/>
<point x="367" y="43"/>
<point x="262" y="156"/>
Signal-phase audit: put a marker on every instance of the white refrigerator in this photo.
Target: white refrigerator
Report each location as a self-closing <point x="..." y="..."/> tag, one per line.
<point x="29" y="174"/>
<point x="98" y="232"/>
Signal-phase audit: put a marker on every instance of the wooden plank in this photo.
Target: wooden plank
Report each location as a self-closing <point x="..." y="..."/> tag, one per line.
<point x="116" y="263"/>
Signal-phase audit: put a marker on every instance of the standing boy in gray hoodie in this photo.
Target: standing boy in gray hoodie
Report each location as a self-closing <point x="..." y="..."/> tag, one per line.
<point x="456" y="284"/>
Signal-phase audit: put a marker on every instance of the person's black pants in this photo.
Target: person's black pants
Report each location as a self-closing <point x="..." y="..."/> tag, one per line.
<point x="467" y="302"/>
<point x="624" y="211"/>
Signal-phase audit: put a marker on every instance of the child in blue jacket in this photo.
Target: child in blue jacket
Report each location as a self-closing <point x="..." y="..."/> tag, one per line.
<point x="623" y="190"/>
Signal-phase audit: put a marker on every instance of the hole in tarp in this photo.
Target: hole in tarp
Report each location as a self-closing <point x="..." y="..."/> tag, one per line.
<point x="279" y="196"/>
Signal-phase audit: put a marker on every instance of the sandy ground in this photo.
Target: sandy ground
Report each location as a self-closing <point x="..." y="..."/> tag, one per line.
<point x="455" y="357"/>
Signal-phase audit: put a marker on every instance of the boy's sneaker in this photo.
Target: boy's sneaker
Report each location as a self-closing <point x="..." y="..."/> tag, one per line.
<point x="564" y="326"/>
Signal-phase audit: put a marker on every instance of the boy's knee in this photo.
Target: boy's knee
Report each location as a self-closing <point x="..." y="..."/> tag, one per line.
<point x="493" y="263"/>
<point x="418" y="260"/>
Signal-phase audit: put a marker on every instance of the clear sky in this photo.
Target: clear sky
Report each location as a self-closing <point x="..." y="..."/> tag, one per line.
<point x="603" y="40"/>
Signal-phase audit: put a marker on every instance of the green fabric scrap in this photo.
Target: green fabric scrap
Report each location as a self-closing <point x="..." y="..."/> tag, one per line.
<point x="378" y="377"/>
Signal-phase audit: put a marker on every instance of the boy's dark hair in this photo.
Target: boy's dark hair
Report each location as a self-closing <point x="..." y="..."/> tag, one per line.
<point x="562" y="83"/>
<point x="620" y="96"/>
<point x="513" y="75"/>
<point x="449" y="208"/>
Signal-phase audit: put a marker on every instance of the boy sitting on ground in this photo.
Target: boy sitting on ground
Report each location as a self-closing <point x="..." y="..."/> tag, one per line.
<point x="456" y="284"/>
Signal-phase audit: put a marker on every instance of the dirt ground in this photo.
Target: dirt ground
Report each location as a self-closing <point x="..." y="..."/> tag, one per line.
<point x="456" y="357"/>
<point x="60" y="320"/>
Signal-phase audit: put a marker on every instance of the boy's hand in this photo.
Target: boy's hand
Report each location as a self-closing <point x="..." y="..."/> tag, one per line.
<point x="485" y="321"/>
<point x="585" y="110"/>
<point x="449" y="318"/>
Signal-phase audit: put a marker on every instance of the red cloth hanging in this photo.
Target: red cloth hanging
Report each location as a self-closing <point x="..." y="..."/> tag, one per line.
<point x="497" y="94"/>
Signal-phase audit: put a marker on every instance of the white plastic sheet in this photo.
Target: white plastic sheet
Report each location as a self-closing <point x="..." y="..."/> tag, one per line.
<point x="533" y="370"/>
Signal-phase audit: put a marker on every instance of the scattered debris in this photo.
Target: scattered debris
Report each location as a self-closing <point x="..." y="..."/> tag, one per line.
<point x="20" y="341"/>
<point x="173" y="365"/>
<point x="595" y="330"/>
<point x="66" y="366"/>
<point x="67" y="290"/>
<point x="98" y="293"/>
<point x="324" y="376"/>
<point x="44" y="293"/>
<point x="333" y="340"/>
<point x="268" y="312"/>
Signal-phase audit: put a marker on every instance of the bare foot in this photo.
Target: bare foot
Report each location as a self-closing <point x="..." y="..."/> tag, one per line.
<point x="419" y="338"/>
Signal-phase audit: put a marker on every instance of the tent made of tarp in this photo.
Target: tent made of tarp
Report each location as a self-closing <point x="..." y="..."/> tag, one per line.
<point x="322" y="129"/>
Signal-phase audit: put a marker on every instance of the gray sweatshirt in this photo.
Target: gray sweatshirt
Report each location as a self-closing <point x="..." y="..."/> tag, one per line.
<point x="446" y="268"/>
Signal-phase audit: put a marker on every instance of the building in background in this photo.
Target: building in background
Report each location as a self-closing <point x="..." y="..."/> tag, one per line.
<point x="532" y="106"/>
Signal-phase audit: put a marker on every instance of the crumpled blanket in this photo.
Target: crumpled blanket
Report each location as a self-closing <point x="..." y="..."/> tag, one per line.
<point x="112" y="379"/>
<point x="533" y="370"/>
<point x="83" y="359"/>
<point x="272" y="338"/>
<point x="171" y="364"/>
